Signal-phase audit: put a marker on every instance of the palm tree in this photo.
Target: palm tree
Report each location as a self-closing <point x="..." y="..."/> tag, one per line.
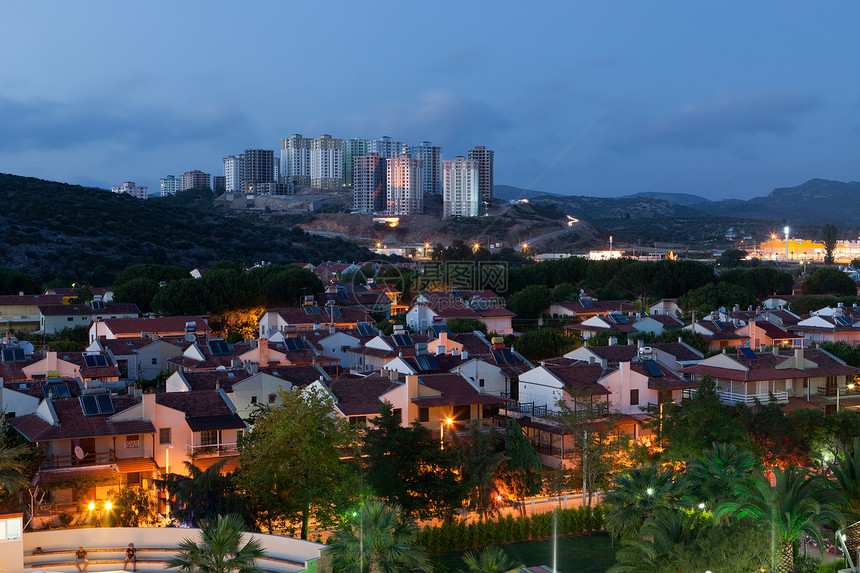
<point x="218" y="550"/>
<point x="375" y="539"/>
<point x="845" y="467"/>
<point x="635" y="495"/>
<point x="712" y="476"/>
<point x="797" y="502"/>
<point x="13" y="468"/>
<point x="490" y="560"/>
<point x="661" y="545"/>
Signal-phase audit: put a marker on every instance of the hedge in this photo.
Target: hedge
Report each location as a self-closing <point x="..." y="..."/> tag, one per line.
<point x="460" y="536"/>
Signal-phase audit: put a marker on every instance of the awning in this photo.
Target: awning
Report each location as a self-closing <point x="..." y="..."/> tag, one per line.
<point x="203" y="423"/>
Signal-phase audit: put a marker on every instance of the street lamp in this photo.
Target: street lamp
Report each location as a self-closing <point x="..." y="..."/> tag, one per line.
<point x="839" y="391"/>
<point x="167" y="459"/>
<point x="448" y="421"/>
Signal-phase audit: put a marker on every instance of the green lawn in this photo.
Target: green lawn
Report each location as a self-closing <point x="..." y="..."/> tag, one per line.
<point x="576" y="554"/>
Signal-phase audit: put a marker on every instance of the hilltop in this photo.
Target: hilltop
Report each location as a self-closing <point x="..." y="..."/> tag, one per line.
<point x="84" y="234"/>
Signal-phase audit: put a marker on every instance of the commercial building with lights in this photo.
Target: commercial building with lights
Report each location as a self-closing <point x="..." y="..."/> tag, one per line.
<point x="169" y="185"/>
<point x="461" y="195"/>
<point x="431" y="165"/>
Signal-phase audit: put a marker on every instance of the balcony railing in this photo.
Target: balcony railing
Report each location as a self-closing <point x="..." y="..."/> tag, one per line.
<point x="554" y="451"/>
<point x="209" y="450"/>
<point x="731" y="398"/>
<point x="71" y="461"/>
<point x="844" y="391"/>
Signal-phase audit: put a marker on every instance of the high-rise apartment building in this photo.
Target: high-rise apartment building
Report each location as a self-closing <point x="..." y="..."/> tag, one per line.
<point x="296" y="160"/>
<point x="233" y="166"/>
<point x="219" y="183"/>
<point x="431" y="165"/>
<point x="369" y="185"/>
<point x="385" y="147"/>
<point x="257" y="168"/>
<point x="352" y="148"/>
<point x="326" y="163"/>
<point x="129" y="188"/>
<point x="169" y="185"/>
<point x="194" y="180"/>
<point x="461" y="195"/>
<point x="404" y="195"/>
<point x="484" y="157"/>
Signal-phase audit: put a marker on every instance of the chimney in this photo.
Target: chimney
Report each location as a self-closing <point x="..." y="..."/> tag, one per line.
<point x="52" y="362"/>
<point x="147" y="402"/>
<point x="263" y="352"/>
<point x="217" y="385"/>
<point x="455" y="351"/>
<point x="680" y="339"/>
<point x="591" y="359"/>
<point x="775" y="350"/>
<point x="20" y="293"/>
<point x="443" y="339"/>
<point x="613" y="340"/>
<point x="798" y="358"/>
<point x="640" y="344"/>
<point x="736" y="308"/>
<point x="440" y="350"/>
<point x="465" y="355"/>
<point x="393" y="375"/>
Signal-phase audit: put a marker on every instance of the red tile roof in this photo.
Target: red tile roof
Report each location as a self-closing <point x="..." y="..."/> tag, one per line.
<point x="581" y="379"/>
<point x="162" y="325"/>
<point x="598" y="306"/>
<point x="456" y="391"/>
<point x="360" y="396"/>
<point x="295" y="375"/>
<point x="765" y="368"/>
<point x="85" y="310"/>
<point x="29" y="299"/>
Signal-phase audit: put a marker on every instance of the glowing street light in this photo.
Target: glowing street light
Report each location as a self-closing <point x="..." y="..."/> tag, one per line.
<point x="108" y="505"/>
<point x="92" y="506"/>
<point x="786" y="242"/>
<point x="448" y="421"/>
<point x="650" y="491"/>
<point x="477" y="246"/>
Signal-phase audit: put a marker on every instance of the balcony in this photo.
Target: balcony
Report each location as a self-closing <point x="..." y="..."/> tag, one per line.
<point x="68" y="461"/>
<point x="211" y="450"/>
<point x="732" y="398"/>
<point x="844" y="391"/>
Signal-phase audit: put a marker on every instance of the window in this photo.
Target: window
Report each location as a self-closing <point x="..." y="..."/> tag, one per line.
<point x="272" y="398"/>
<point x="155" y="360"/>
<point x="462" y="413"/>
<point x="133" y="478"/>
<point x="209" y="438"/>
<point x="361" y="420"/>
<point x="481" y="382"/>
<point x="69" y="319"/>
<point x="634" y="397"/>
<point x="164" y="436"/>
<point x="132" y="441"/>
<point x="253" y="399"/>
<point x="423" y="414"/>
<point x="398" y="413"/>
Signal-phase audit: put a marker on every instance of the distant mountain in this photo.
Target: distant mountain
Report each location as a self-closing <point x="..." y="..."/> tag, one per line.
<point x="684" y="199"/>
<point x="633" y="207"/>
<point x="816" y="202"/>
<point x="509" y="193"/>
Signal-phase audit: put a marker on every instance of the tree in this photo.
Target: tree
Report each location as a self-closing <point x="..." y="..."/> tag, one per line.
<point x="203" y="495"/>
<point x="522" y="470"/>
<point x="406" y="467"/>
<point x="829" y="280"/>
<point x="13" y="467"/>
<point x="693" y="426"/>
<point x="797" y="503"/>
<point x="662" y="544"/>
<point x="490" y="560"/>
<point x="465" y="324"/>
<point x="845" y="468"/>
<point x="292" y="462"/>
<point x="133" y="506"/>
<point x="218" y="550"/>
<point x="713" y="475"/>
<point x="376" y="539"/>
<point x="543" y="343"/>
<point x="712" y="296"/>
<point x="731" y="258"/>
<point x="531" y="301"/>
<point x="635" y="495"/>
<point x="760" y="281"/>
<point x="597" y="438"/>
<point x="479" y="465"/>
<point x="13" y="281"/>
<point x="139" y="291"/>
<point x="828" y="236"/>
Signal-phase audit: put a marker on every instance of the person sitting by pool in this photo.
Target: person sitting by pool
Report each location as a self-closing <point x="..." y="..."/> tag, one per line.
<point x="81" y="557"/>
<point x="130" y="555"/>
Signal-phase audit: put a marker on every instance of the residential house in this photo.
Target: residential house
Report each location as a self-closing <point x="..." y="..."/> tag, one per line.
<point x="666" y="307"/>
<point x="748" y="376"/>
<point x="66" y="294"/>
<point x="765" y="333"/>
<point x="140" y="358"/>
<point x="150" y="327"/>
<point x="310" y="317"/>
<point x="21" y="312"/>
<point x="434" y="307"/>
<point x="208" y="354"/>
<point x="55" y="317"/>
<point x="822" y="328"/>
<point x="719" y="334"/>
<point x="657" y="324"/>
<point x="587" y="307"/>
<point x="360" y="399"/>
<point x="93" y="368"/>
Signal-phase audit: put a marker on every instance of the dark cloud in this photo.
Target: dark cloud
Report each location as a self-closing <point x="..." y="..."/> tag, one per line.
<point x="40" y="124"/>
<point x="712" y="124"/>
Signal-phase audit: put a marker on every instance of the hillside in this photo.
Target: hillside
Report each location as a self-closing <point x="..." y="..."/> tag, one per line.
<point x="83" y="234"/>
<point x="684" y="199"/>
<point x="816" y="202"/>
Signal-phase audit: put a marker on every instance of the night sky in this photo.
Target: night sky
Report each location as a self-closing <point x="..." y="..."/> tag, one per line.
<point x="719" y="99"/>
